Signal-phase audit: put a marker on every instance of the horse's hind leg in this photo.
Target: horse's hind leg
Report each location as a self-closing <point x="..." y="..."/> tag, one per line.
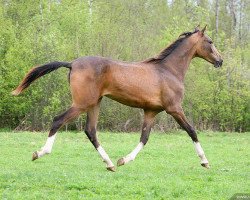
<point x="90" y="130"/>
<point x="58" y="122"/>
<point x="149" y="117"/>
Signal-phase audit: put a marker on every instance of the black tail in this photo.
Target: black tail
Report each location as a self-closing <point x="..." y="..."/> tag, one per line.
<point x="37" y="72"/>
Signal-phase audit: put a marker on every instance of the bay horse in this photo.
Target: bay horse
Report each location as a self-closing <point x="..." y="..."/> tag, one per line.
<point x="154" y="85"/>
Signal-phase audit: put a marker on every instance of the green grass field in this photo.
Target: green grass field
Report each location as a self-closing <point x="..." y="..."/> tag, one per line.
<point x="167" y="168"/>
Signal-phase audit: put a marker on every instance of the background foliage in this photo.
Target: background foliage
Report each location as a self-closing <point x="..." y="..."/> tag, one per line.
<point x="36" y="32"/>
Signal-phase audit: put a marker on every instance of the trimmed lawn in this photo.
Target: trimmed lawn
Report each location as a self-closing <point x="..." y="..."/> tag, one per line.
<point x="167" y="168"/>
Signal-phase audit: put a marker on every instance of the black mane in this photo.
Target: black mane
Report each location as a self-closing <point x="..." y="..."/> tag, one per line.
<point x="167" y="51"/>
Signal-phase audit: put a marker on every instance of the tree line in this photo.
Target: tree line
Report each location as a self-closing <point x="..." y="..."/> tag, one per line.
<point x="37" y="32"/>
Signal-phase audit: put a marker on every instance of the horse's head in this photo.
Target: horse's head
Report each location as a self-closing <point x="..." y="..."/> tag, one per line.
<point x="206" y="49"/>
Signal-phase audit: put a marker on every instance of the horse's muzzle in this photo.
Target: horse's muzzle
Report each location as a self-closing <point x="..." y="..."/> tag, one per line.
<point x="218" y="63"/>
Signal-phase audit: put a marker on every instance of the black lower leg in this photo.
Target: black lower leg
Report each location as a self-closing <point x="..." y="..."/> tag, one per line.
<point x="91" y="133"/>
<point x="57" y="123"/>
<point x="60" y="120"/>
<point x="147" y="125"/>
<point x="146" y="128"/>
<point x="191" y="132"/>
<point x="180" y="118"/>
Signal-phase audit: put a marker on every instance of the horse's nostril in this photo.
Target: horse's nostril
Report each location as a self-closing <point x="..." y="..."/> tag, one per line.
<point x="218" y="63"/>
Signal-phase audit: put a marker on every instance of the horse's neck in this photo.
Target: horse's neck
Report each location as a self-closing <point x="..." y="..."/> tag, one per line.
<point x="178" y="62"/>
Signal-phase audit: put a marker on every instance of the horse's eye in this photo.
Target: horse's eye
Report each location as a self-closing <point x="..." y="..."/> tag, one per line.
<point x="210" y="42"/>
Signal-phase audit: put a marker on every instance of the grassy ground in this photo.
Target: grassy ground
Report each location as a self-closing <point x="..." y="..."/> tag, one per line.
<point x="167" y="168"/>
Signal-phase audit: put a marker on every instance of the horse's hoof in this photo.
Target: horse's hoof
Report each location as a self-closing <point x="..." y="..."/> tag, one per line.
<point x="120" y="162"/>
<point x="206" y="165"/>
<point x="112" y="169"/>
<point x="34" y="156"/>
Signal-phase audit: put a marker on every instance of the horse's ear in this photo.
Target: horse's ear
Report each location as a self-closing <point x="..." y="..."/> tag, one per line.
<point x="197" y="28"/>
<point x="204" y="29"/>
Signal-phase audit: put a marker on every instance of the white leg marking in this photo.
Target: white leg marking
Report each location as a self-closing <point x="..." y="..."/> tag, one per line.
<point x="200" y="152"/>
<point x="46" y="149"/>
<point x="105" y="156"/>
<point x="133" y="154"/>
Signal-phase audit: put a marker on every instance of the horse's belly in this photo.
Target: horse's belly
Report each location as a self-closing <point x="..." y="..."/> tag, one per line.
<point x="137" y="100"/>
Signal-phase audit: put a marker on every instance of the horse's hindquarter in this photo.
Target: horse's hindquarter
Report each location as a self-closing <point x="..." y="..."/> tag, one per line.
<point x="87" y="78"/>
<point x="134" y="85"/>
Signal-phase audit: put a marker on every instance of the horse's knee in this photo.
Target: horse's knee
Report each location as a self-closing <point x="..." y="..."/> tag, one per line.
<point x="91" y="134"/>
<point x="145" y="134"/>
<point x="174" y="110"/>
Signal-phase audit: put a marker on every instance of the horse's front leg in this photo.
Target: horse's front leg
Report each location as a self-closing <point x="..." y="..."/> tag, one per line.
<point x="179" y="116"/>
<point x="146" y="128"/>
